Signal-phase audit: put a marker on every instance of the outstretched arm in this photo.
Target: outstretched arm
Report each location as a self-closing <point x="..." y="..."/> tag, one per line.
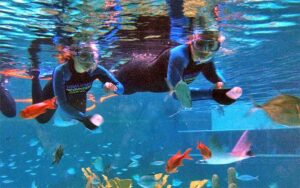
<point x="106" y="77"/>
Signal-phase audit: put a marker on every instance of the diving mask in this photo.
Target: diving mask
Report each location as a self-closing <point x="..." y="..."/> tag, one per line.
<point x="85" y="55"/>
<point x="206" y="45"/>
<point x="86" y="59"/>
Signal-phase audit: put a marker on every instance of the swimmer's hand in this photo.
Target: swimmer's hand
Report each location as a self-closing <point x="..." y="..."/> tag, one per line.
<point x="96" y="119"/>
<point x="219" y="85"/>
<point x="109" y="87"/>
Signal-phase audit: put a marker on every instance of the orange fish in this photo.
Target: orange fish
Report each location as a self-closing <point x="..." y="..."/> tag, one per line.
<point x="176" y="160"/>
<point x="37" y="109"/>
<point x="204" y="150"/>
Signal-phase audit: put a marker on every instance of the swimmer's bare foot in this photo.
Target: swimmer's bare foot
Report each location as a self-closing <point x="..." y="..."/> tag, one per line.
<point x="234" y="93"/>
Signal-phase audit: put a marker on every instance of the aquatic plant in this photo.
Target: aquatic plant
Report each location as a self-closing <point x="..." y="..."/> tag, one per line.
<point x="231" y="176"/>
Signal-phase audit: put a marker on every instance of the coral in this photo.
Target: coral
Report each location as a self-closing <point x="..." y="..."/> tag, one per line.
<point x="231" y="173"/>
<point x="92" y="179"/>
<point x="232" y="182"/>
<point x="162" y="180"/>
<point x="232" y="185"/>
<point x="215" y="181"/>
<point x="118" y="183"/>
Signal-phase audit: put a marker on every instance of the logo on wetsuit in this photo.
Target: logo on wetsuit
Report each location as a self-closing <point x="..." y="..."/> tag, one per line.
<point x="78" y="88"/>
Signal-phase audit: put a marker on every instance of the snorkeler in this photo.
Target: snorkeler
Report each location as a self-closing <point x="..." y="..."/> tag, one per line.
<point x="182" y="63"/>
<point x="70" y="83"/>
<point x="7" y="102"/>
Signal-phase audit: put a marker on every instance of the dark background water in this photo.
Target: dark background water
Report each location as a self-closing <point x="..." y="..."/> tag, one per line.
<point x="263" y="40"/>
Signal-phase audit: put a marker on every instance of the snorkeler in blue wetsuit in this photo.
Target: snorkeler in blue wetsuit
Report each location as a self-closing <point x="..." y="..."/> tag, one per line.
<point x="184" y="63"/>
<point x="71" y="82"/>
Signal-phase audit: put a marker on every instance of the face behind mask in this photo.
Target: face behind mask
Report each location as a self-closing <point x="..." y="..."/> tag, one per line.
<point x="203" y="57"/>
<point x="85" y="59"/>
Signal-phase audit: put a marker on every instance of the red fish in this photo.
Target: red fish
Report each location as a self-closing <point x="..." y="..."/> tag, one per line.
<point x="37" y="109"/>
<point x="176" y="160"/>
<point x="204" y="150"/>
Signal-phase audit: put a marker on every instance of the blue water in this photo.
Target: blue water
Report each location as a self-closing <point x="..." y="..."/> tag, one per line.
<point x="260" y="54"/>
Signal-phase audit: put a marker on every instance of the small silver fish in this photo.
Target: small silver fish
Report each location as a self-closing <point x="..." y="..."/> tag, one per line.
<point x="136" y="157"/>
<point x="246" y="178"/>
<point x="134" y="164"/>
<point x="157" y="163"/>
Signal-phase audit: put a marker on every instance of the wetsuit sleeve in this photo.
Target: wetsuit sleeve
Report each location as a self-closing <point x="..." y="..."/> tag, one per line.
<point x="105" y="76"/>
<point x="176" y="66"/>
<point x="211" y="73"/>
<point x="60" y="93"/>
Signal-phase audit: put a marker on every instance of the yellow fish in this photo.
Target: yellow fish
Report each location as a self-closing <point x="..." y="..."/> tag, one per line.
<point x="198" y="184"/>
<point x="283" y="109"/>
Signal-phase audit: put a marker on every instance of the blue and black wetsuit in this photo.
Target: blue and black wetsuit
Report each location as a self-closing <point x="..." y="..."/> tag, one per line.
<point x="174" y="64"/>
<point x="71" y="87"/>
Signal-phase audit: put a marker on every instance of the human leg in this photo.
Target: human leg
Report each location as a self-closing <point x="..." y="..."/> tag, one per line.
<point x="46" y="93"/>
<point x="7" y="103"/>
